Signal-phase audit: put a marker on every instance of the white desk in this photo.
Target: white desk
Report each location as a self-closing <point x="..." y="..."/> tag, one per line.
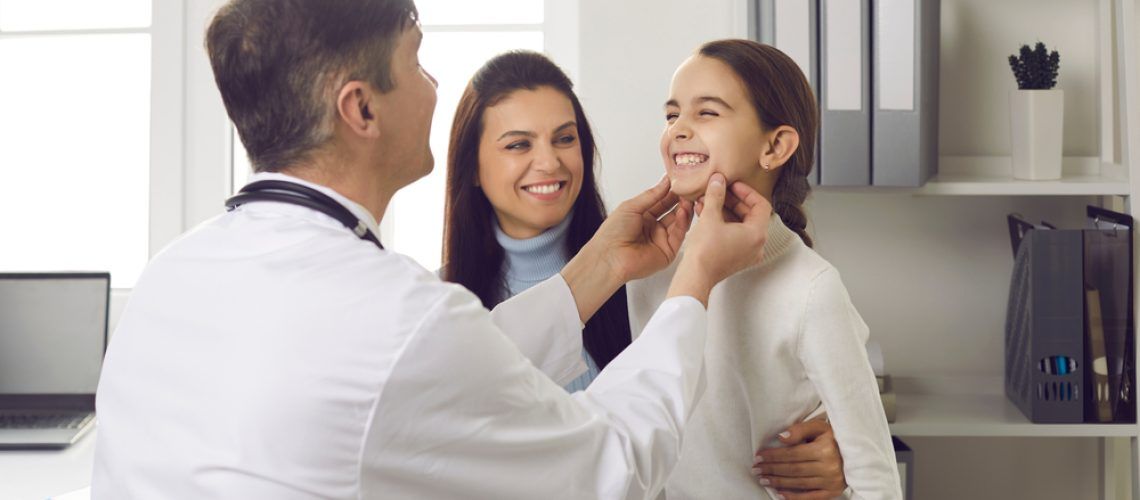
<point x="36" y="475"/>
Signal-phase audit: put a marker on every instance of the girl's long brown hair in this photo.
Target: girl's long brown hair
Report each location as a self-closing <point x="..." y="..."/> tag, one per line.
<point x="471" y="255"/>
<point x="781" y="95"/>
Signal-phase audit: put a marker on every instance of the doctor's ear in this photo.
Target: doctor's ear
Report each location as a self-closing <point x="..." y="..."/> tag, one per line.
<point x="779" y="146"/>
<point x="356" y="109"/>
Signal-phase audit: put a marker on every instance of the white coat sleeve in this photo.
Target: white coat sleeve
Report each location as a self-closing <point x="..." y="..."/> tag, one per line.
<point x="465" y="415"/>
<point x="543" y="323"/>
<point x="831" y="348"/>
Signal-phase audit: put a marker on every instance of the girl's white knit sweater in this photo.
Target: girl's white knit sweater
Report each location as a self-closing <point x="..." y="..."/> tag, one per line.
<point x="784" y="338"/>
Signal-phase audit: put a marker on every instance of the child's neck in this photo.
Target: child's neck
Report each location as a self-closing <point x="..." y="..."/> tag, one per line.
<point x="763" y="182"/>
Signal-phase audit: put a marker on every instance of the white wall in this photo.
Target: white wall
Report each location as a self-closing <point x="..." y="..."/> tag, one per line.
<point x="928" y="274"/>
<point x="628" y="52"/>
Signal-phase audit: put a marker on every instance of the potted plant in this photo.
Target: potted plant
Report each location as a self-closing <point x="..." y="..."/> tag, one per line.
<point x="1036" y="114"/>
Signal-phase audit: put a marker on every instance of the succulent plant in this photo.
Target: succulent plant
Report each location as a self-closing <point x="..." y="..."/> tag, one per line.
<point x="1035" y="69"/>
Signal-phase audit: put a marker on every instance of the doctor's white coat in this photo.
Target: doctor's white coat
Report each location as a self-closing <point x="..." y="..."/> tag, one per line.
<point x="271" y="354"/>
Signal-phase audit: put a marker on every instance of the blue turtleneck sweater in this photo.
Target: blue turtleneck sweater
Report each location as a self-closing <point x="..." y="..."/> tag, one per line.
<point x="533" y="260"/>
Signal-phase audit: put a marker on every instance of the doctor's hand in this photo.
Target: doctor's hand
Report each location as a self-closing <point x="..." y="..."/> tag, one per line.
<point x="809" y="465"/>
<point x="718" y="246"/>
<point x="640" y="237"/>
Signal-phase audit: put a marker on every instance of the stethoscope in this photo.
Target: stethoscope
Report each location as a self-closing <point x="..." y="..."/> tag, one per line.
<point x="296" y="194"/>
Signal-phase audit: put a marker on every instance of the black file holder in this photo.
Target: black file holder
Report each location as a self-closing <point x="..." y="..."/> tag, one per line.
<point x="1047" y="372"/>
<point x="1108" y="269"/>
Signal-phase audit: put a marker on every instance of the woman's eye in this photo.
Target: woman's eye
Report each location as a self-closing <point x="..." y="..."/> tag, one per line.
<point x="566" y="139"/>
<point x="520" y="145"/>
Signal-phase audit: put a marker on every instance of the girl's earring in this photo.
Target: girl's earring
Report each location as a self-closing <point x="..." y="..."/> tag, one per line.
<point x="767" y="166"/>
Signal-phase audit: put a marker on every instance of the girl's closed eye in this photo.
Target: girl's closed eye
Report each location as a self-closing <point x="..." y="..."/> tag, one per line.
<point x="709" y="112"/>
<point x="669" y="117"/>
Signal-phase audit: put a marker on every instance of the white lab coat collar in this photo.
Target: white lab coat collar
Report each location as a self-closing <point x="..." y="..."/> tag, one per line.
<point x="357" y="209"/>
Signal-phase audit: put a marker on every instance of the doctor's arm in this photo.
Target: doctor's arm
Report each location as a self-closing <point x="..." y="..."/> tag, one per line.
<point x="468" y="416"/>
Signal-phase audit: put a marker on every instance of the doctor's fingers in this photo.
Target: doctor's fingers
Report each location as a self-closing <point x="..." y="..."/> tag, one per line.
<point x="677" y="224"/>
<point x="647" y="199"/>
<point x="731" y="214"/>
<point x="673" y="217"/>
<point x="663" y="208"/>
<point x="752" y="204"/>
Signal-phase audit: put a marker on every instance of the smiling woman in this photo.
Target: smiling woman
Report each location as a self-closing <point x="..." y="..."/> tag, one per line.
<point x="521" y="192"/>
<point x="534" y="163"/>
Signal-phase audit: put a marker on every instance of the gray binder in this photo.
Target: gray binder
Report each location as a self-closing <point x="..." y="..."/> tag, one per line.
<point x="792" y="27"/>
<point x="845" y="92"/>
<point x="904" y="132"/>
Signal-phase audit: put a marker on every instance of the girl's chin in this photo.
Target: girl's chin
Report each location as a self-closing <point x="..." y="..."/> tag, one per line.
<point x="687" y="189"/>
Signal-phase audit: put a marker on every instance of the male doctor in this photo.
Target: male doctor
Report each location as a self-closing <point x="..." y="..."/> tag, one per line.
<point x="274" y="353"/>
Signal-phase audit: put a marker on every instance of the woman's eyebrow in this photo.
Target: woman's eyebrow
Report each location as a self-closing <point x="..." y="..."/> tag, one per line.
<point x="517" y="133"/>
<point x="566" y="125"/>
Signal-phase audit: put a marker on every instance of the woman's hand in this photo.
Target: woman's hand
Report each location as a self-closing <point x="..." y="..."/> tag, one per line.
<point x="809" y="467"/>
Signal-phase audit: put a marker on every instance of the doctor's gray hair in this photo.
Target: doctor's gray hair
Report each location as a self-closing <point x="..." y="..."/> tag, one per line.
<point x="280" y="64"/>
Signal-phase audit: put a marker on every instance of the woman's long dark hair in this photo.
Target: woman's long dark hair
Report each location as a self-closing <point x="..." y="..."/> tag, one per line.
<point x="781" y="95"/>
<point x="471" y="255"/>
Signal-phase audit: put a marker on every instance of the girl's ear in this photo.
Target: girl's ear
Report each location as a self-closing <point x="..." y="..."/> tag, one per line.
<point x="782" y="142"/>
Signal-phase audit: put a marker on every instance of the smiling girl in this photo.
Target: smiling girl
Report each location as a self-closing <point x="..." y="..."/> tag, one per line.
<point x="745" y="110"/>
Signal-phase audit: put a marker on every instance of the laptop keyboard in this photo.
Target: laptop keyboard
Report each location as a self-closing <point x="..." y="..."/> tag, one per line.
<point x="44" y="420"/>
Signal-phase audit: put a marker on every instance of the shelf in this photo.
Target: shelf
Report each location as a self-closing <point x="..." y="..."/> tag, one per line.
<point x="992" y="176"/>
<point x="984" y="415"/>
<point x="995" y="185"/>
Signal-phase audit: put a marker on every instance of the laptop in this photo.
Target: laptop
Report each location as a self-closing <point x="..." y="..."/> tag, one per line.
<point x="53" y="333"/>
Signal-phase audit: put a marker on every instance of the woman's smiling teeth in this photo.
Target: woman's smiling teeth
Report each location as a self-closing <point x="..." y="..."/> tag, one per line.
<point x="688" y="159"/>
<point x="544" y="188"/>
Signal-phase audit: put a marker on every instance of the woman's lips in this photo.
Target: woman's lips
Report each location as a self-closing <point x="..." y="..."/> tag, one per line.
<point x="546" y="191"/>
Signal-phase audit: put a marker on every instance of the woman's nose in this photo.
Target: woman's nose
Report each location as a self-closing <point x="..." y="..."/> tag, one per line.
<point x="545" y="159"/>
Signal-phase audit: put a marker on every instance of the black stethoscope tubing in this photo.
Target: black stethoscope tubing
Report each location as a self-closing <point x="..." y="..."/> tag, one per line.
<point x="296" y="194"/>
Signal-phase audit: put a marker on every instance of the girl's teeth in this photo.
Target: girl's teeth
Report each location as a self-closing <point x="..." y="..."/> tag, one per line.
<point x="690" y="159"/>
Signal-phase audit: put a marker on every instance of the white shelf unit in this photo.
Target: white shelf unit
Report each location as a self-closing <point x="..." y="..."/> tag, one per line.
<point x="992" y="176"/>
<point x="984" y="415"/>
<point x="973" y="408"/>
<point x="942" y="407"/>
<point x="955" y="407"/>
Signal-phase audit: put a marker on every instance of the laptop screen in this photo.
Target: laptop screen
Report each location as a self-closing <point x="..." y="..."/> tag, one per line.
<point x="53" y="331"/>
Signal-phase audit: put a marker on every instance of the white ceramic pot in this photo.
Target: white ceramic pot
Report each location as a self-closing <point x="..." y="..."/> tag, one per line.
<point x="1036" y="125"/>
